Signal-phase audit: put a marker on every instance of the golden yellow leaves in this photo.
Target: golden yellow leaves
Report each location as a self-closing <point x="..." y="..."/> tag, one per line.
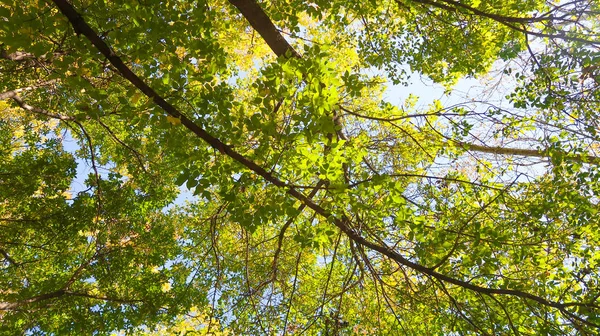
<point x="173" y="120"/>
<point x="136" y="98"/>
<point x="165" y="287"/>
<point x="180" y="52"/>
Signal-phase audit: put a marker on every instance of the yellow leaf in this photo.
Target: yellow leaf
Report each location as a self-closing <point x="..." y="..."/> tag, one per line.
<point x="173" y="120"/>
<point x="180" y="52"/>
<point x="136" y="97"/>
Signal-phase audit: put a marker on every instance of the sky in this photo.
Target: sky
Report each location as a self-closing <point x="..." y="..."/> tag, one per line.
<point x="419" y="86"/>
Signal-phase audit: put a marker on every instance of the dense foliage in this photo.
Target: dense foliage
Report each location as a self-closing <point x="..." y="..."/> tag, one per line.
<point x="317" y="204"/>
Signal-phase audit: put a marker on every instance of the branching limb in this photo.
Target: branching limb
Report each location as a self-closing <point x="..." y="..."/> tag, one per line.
<point x="8" y="258"/>
<point x="338" y="219"/>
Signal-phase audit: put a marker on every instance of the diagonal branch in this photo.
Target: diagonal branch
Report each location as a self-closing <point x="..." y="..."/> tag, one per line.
<point x="37" y="298"/>
<point x="514" y="23"/>
<point x="61" y="293"/>
<point x="8" y="258"/>
<point x="261" y="22"/>
<point x="14" y="96"/>
<point x="544" y="154"/>
<point x="15" y="92"/>
<point x="341" y="221"/>
<point x="497" y="150"/>
<point x="24" y="56"/>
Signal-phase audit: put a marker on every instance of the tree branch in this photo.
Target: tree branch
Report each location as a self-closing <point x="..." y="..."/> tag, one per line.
<point x="526" y="152"/>
<point x="8" y="257"/>
<point x="259" y="20"/>
<point x="15" y="92"/>
<point x="60" y="293"/>
<point x="23" y="56"/>
<point x="38" y="298"/>
<point x="340" y="220"/>
<point x="14" y="96"/>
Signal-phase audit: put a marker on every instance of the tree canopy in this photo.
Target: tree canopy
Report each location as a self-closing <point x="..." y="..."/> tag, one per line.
<point x="317" y="203"/>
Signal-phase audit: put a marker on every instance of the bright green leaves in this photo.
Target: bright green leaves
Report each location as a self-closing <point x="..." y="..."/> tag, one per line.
<point x="332" y="166"/>
<point x="314" y="237"/>
<point x="316" y="76"/>
<point x="430" y="183"/>
<point x="353" y="84"/>
<point x="443" y="41"/>
<point x="32" y="158"/>
<point x="91" y="253"/>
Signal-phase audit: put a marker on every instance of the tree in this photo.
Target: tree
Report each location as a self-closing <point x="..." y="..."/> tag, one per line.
<point x="319" y="207"/>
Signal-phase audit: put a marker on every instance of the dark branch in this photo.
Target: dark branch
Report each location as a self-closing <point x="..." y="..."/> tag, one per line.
<point x="259" y="20"/>
<point x="340" y="220"/>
